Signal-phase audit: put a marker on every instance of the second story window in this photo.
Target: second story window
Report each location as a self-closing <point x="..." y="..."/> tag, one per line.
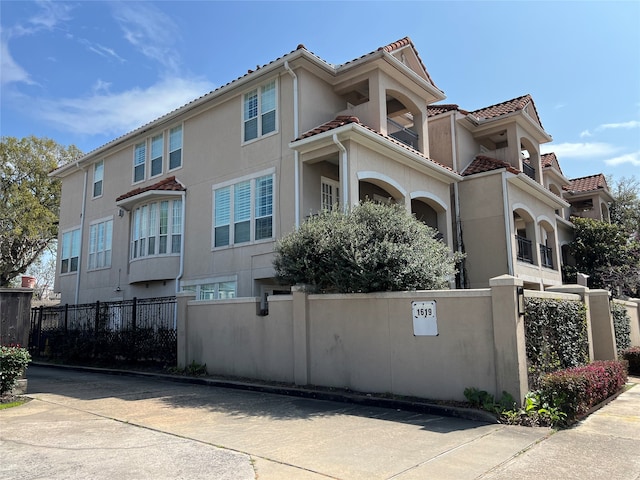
<point x="175" y="147"/>
<point x="139" y="159"/>
<point x="157" y="229"/>
<point x="98" y="175"/>
<point x="259" y="112"/>
<point x="70" y="251"/>
<point x="100" y="235"/>
<point x="156" y="155"/>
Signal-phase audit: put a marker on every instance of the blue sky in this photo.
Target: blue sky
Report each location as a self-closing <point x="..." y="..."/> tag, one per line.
<point x="85" y="72"/>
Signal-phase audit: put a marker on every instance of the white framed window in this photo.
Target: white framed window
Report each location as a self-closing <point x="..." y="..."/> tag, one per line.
<point x="69" y="258"/>
<point x="157" y="147"/>
<point x="259" y="111"/>
<point x="156" y="229"/>
<point x="98" y="177"/>
<point x="100" y="235"/>
<point x="213" y="289"/>
<point x="329" y="193"/>
<point x="243" y="211"/>
<point x="175" y="147"/>
<point x="139" y="162"/>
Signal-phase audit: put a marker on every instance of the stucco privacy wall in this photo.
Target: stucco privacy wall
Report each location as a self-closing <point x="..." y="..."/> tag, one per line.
<point x="633" y="310"/>
<point x="364" y="342"/>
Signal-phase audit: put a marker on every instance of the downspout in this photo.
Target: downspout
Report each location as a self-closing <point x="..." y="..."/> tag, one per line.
<point x="181" y="268"/>
<point x="344" y="177"/>
<point x="296" y="155"/>
<point x="456" y="197"/>
<point x="507" y="222"/>
<point x="82" y="215"/>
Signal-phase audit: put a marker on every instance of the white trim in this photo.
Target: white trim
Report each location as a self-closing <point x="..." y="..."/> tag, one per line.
<point x="251" y="176"/>
<point x="168" y="146"/>
<point x="422" y="194"/>
<point x="366" y="175"/>
<point x="93" y="184"/>
<point x="258" y="88"/>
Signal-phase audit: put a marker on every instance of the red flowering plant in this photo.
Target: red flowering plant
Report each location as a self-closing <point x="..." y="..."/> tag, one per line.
<point x="13" y="362"/>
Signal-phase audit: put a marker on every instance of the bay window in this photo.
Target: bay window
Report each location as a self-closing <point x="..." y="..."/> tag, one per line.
<point x="157" y="229"/>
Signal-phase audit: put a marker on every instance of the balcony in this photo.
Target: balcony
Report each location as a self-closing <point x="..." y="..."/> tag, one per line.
<point x="525" y="251"/>
<point x="528" y="170"/>
<point x="402" y="134"/>
<point x="546" y="256"/>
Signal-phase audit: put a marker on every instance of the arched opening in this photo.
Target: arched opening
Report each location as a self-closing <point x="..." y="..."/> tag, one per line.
<point x="530" y="159"/>
<point x="556" y="191"/>
<point x="604" y="212"/>
<point x="524" y="227"/>
<point x="404" y="120"/>
<point x="429" y="213"/>
<point x="379" y="188"/>
<point x="547" y="243"/>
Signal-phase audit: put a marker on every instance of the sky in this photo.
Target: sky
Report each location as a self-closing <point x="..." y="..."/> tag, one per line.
<point x="86" y="72"/>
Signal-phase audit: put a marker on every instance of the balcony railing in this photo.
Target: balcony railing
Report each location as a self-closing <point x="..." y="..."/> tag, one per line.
<point x="546" y="256"/>
<point x="404" y="135"/>
<point x="525" y="252"/>
<point x="528" y="170"/>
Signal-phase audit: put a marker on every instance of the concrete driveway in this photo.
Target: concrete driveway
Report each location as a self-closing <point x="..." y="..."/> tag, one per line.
<point x="89" y="426"/>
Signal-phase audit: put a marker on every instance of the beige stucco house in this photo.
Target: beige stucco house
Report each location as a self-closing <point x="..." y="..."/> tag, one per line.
<point x="196" y="199"/>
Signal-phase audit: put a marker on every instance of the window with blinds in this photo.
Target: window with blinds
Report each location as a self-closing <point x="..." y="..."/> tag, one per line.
<point x="259" y="111"/>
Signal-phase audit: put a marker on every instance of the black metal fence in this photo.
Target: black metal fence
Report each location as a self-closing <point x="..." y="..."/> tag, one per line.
<point x="138" y="330"/>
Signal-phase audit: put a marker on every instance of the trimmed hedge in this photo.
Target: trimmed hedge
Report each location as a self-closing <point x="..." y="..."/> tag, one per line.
<point x="13" y="362"/>
<point x="621" y="326"/>
<point x="632" y="356"/>
<point x="576" y="390"/>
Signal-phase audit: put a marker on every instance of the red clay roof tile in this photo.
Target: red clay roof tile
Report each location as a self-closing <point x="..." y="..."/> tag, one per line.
<point x="550" y="160"/>
<point x="507" y="107"/>
<point x="433" y="110"/>
<point x="587" y="184"/>
<point x="483" y="163"/>
<point x="167" y="184"/>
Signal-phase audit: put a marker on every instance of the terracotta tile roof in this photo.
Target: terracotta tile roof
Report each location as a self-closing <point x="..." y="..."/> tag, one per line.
<point x="507" y="107"/>
<point x="550" y="160"/>
<point x="485" y="164"/>
<point x="433" y="110"/>
<point x="342" y="120"/>
<point x="587" y="184"/>
<point x="169" y="184"/>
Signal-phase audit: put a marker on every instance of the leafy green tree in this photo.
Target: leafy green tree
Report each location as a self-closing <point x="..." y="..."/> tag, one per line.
<point x="29" y="200"/>
<point x="372" y="248"/>
<point x="625" y="209"/>
<point x="606" y="253"/>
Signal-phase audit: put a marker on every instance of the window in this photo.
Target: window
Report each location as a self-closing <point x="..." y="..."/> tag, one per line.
<point x="213" y="291"/>
<point x="175" y="147"/>
<point x="100" y="244"/>
<point x="156" y="155"/>
<point x="259" y="111"/>
<point x="70" y="251"/>
<point x="250" y="204"/>
<point x="98" y="175"/>
<point x="329" y="193"/>
<point x="157" y="229"/>
<point x="139" y="159"/>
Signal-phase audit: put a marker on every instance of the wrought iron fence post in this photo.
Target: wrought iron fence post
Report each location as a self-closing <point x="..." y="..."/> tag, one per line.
<point x="66" y="318"/>
<point x="40" y="314"/>
<point x="133" y="313"/>
<point x="95" y="332"/>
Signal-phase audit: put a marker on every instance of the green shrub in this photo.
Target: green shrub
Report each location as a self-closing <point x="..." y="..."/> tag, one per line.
<point x="556" y="336"/>
<point x="13" y="362"/>
<point x="372" y="248"/>
<point x="621" y="326"/>
<point x="576" y="390"/>
<point x="632" y="356"/>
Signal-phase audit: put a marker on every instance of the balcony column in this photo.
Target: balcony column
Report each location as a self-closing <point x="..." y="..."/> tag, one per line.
<point x="378" y="101"/>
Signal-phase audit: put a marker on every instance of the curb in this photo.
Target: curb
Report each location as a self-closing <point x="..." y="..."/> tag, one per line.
<point x="368" y="400"/>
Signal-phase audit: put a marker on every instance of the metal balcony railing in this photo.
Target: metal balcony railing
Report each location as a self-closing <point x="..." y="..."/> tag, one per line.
<point x="402" y="134"/>
<point x="528" y="170"/>
<point x="546" y="256"/>
<point x="525" y="251"/>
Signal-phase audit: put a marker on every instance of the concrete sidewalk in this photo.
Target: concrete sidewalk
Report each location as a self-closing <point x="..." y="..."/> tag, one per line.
<point x="86" y="425"/>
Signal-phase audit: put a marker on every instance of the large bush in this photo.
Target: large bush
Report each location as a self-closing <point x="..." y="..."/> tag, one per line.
<point x="13" y="362"/>
<point x="372" y="248"/>
<point x="556" y="336"/>
<point x="632" y="356"/>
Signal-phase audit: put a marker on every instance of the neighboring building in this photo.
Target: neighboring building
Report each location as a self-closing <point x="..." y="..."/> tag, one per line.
<point x="196" y="199"/>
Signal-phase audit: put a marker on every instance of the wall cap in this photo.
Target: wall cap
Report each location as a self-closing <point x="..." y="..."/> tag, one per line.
<point x="505" y="280"/>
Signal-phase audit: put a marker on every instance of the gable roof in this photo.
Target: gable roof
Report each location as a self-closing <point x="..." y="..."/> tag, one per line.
<point x="483" y="164"/>
<point x="342" y="120"/>
<point x="433" y="110"/>
<point x="169" y="184"/>
<point x="509" y="106"/>
<point x="587" y="184"/>
<point x="550" y="160"/>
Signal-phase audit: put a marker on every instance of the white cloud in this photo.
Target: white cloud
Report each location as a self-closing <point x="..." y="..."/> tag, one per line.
<point x="150" y="31"/>
<point x="100" y="49"/>
<point x="10" y="71"/>
<point x="626" y="125"/>
<point x="585" y="133"/>
<point x="632" y="158"/>
<point x="104" y="113"/>
<point x="587" y="149"/>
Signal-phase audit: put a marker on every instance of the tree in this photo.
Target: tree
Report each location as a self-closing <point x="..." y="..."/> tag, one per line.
<point x="29" y="200"/>
<point x="372" y="248"/>
<point x="607" y="253"/>
<point x="625" y="209"/>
